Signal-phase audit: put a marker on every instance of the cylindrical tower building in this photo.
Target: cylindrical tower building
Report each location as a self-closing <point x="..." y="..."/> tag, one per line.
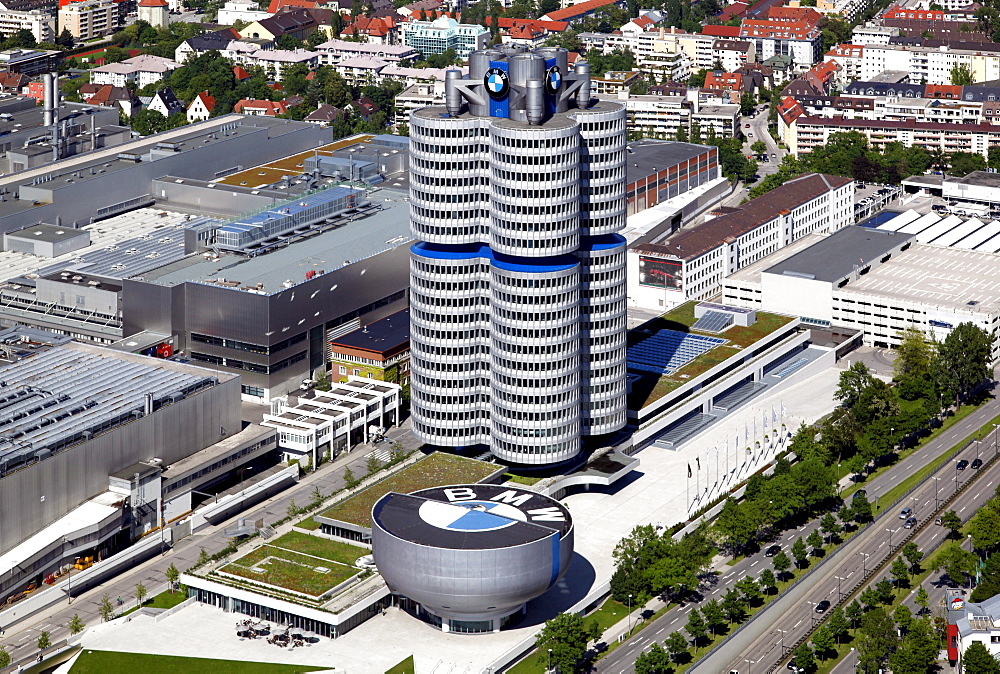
<point x="518" y="282"/>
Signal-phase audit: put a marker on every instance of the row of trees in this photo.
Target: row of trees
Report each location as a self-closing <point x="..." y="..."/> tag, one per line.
<point x="649" y="564"/>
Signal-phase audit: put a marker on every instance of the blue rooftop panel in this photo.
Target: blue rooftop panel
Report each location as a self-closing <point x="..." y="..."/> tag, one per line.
<point x="532" y="265"/>
<point x="602" y="242"/>
<point x="459" y="252"/>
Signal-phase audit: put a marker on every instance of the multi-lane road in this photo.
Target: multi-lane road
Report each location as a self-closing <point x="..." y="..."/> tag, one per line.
<point x="621" y="660"/>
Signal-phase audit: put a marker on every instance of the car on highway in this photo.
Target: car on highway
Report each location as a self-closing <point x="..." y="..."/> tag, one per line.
<point x="962" y="465"/>
<point x="905" y="512"/>
<point x="746" y="126"/>
<point x="910" y="523"/>
<point x="772" y="551"/>
<point x="860" y="492"/>
<point x="978" y="463"/>
<point x="822" y="606"/>
<point x="793" y="668"/>
<point x="939" y="522"/>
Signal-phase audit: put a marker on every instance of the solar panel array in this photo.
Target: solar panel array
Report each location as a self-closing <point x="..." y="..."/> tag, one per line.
<point x="713" y="321"/>
<point x="55" y="396"/>
<point x="668" y="351"/>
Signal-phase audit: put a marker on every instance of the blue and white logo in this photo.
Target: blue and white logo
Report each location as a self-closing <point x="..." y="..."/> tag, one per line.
<point x="497" y="83"/>
<point x="470" y="516"/>
<point x="553" y="80"/>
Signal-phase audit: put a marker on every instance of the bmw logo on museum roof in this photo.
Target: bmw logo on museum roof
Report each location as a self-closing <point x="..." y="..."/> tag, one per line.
<point x="553" y="80"/>
<point x="497" y="83"/>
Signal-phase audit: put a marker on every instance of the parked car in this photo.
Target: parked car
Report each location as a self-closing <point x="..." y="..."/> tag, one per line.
<point x="910" y="523"/>
<point x="905" y="512"/>
<point x="978" y="463"/>
<point x="772" y="551"/>
<point x="962" y="465"/>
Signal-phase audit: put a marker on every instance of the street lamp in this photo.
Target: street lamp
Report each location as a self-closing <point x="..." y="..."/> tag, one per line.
<point x="549" y="664"/>
<point x="840" y="595"/>
<point x="890" y="539"/>
<point x="956" y="475"/>
<point x="864" y="563"/>
<point x="69" y="578"/>
<point x="629" y="618"/>
<point x="749" y="662"/>
<point x="781" y="641"/>
<point x="995" y="448"/>
<point x="977" y="449"/>
<point x="936" y="480"/>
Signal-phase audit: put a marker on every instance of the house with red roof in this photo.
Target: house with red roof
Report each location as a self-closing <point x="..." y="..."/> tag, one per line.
<point x="240" y="74"/>
<point x="253" y="106"/>
<point x="801" y="40"/>
<point x="850" y="57"/>
<point x="374" y="30"/>
<point x="721" y="31"/>
<point x="580" y="11"/>
<point x="201" y="107"/>
<point x="737" y="10"/>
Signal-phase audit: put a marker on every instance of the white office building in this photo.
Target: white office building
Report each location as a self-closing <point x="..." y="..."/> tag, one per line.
<point x="517" y="285"/>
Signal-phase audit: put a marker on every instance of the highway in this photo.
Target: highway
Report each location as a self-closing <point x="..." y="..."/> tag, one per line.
<point x="762" y="646"/>
<point x="622" y="659"/>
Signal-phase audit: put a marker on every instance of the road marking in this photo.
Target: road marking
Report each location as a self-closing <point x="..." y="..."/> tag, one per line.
<point x="754" y="564"/>
<point x="797" y="624"/>
<point x="661" y="630"/>
<point x="675" y="620"/>
<point x="963" y="509"/>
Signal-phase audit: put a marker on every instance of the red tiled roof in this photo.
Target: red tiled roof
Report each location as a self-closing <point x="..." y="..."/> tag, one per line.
<point x="578" y="10"/>
<point x="949" y="91"/>
<point x="206" y="99"/>
<point x="270" y="108"/>
<point x="718" y="79"/>
<point x="152" y="3"/>
<point x="240" y="73"/>
<point x="794" y="14"/>
<point x="732" y="11"/>
<point x="551" y="26"/>
<point x="847" y="51"/>
<point x="721" y="31"/>
<point x="789" y="30"/>
<point x="898" y="124"/>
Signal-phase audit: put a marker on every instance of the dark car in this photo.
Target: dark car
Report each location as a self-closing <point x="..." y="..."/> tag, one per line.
<point x="978" y="463"/>
<point x="962" y="465"/>
<point x="860" y="492"/>
<point x="772" y="551"/>
<point x="822" y="606"/>
<point x="910" y="523"/>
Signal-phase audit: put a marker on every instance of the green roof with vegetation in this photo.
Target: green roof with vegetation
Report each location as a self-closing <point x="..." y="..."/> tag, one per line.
<point x="433" y="471"/>
<point x="650" y="387"/>
<point x="103" y="662"/>
<point x="299" y="562"/>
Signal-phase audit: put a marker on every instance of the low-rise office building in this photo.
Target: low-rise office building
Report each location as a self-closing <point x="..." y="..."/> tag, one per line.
<point x="442" y="34"/>
<point x="380" y="350"/>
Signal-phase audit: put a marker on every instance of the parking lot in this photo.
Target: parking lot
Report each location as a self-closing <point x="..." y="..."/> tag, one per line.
<point x="870" y="198"/>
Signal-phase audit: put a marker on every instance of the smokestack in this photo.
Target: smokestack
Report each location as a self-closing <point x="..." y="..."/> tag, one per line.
<point x="47" y="99"/>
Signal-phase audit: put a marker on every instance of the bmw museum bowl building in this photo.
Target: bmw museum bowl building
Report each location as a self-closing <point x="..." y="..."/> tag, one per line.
<point x="471" y="556"/>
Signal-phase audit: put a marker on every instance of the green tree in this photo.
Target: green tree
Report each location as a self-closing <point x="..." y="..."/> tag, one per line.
<point x="951" y="521"/>
<point x="961" y="75"/>
<point x="822" y="641"/>
<point x="750" y="589"/>
<point x="173" y="575"/>
<point x="767" y="581"/>
<point x="350" y="481"/>
<point x="978" y="660"/>
<point x="869" y="597"/>
<point x="630" y="547"/>
<point x="373" y="465"/>
<point x="713" y="614"/>
<point x="861" y="508"/>
<point x="759" y="147"/>
<point x="292" y="510"/>
<point x="803" y="657"/>
<point x="105" y="609"/>
<point x="146" y="121"/>
<point x="853" y="381"/>
<point x="695" y="627"/>
<point x="44" y="640"/>
<point x="912" y="367"/>
<point x="140" y="593"/>
<point x="917" y="651"/>
<point x="838" y="624"/>
<point x="923" y="599"/>
<point x="900" y="570"/>
<point x="956" y="562"/>
<point x="964" y="163"/>
<point x="697" y="79"/>
<point x="800" y="552"/>
<point x="985" y="527"/>
<point x="737" y="524"/>
<point x="677" y="645"/>
<point x="903" y="617"/>
<point x="567" y="636"/>
<point x="4" y="657"/>
<point x="913" y="555"/>
<point x="879" y="639"/>
<point x="781" y="563"/>
<point x="76" y="624"/>
<point x="883" y="589"/>
<point x="654" y="661"/>
<point x="336" y="91"/>
<point x="733" y="606"/>
<point x="854" y="612"/>
<point x="747" y="103"/>
<point x="815" y="541"/>
<point x="829" y="526"/>
<point x="963" y="361"/>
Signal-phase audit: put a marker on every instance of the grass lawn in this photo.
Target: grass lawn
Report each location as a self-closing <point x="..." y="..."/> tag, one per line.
<point x="109" y="662"/>
<point x="521" y="479"/>
<point x="433" y="471"/>
<point x="163" y="600"/>
<point x="405" y="667"/>
<point x="299" y="562"/>
<point x="650" y="388"/>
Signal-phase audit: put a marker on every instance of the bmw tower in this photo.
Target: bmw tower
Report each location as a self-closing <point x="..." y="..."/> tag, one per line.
<point x="517" y="282"/>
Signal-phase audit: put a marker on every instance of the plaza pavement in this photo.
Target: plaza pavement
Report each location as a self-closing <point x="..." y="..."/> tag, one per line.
<point x="654" y="494"/>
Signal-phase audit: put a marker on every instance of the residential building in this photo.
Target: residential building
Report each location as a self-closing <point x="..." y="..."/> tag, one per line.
<point x="732" y="54"/>
<point x="526" y="372"/>
<point x="154" y="12"/>
<point x="664" y="271"/>
<point x="613" y="82"/>
<point x="442" y="34"/>
<point x="240" y="10"/>
<point x="13" y="83"/>
<point x="139" y="70"/>
<point x="334" y="51"/>
<point x="850" y="58"/>
<point x="801" y="40"/>
<point x="276" y="61"/>
<point x="250" y="106"/>
<point x="931" y="61"/>
<point x="215" y="41"/>
<point x="660" y="116"/>
<point x="872" y="33"/>
<point x="361" y="71"/>
<point x="109" y="96"/>
<point x="298" y="23"/>
<point x="416" y="97"/>
<point x="364" y="108"/>
<point x="165" y="102"/>
<point x="201" y="107"/>
<point x="42" y="24"/>
<point x="89" y="19"/>
<point x="380" y="350"/>
<point x="30" y="62"/>
<point x="324" y="115"/>
<point x="373" y="30"/>
<point x="579" y="11"/>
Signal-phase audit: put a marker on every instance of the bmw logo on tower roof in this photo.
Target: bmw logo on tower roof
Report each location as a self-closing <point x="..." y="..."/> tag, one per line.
<point x="553" y="80"/>
<point x="497" y="83"/>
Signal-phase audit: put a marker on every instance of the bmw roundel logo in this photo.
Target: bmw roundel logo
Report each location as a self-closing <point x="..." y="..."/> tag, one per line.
<point x="497" y="83"/>
<point x="553" y="80"/>
<point x="470" y="516"/>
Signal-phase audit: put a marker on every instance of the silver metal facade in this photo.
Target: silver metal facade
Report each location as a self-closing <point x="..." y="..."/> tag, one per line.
<point x="518" y="285"/>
